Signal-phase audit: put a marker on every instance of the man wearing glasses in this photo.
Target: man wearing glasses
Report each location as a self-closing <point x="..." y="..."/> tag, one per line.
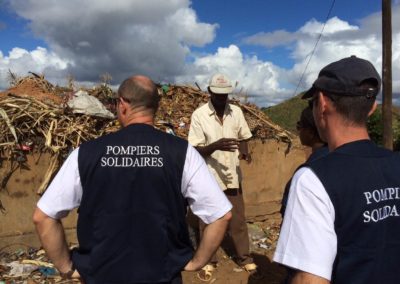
<point x="132" y="188"/>
<point x="342" y="221"/>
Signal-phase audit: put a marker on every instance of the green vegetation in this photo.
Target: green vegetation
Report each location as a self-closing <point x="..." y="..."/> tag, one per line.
<point x="287" y="113"/>
<point x="375" y="127"/>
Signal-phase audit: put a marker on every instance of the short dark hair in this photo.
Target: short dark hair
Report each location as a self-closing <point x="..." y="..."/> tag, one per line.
<point x="307" y="120"/>
<point x="354" y="109"/>
<point x="140" y="93"/>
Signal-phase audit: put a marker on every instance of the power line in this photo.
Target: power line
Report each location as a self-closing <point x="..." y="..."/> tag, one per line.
<point x="315" y="47"/>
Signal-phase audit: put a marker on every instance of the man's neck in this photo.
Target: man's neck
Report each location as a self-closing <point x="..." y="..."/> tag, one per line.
<point x="136" y="117"/>
<point x="316" y="146"/>
<point x="346" y="135"/>
<point x="219" y="110"/>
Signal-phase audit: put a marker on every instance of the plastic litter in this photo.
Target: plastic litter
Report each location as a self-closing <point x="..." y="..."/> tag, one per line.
<point x="82" y="102"/>
<point x="21" y="269"/>
<point x="165" y="88"/>
<point x="37" y="263"/>
<point x="47" y="271"/>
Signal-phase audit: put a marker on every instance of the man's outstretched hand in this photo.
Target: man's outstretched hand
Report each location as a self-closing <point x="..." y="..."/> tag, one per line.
<point x="226" y="144"/>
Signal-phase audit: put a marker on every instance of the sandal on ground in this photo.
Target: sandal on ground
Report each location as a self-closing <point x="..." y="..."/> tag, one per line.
<point x="205" y="274"/>
<point x="251" y="268"/>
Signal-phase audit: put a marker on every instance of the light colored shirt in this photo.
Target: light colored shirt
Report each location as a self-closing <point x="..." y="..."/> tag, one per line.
<point x="206" y="128"/>
<point x="198" y="186"/>
<point x="307" y="240"/>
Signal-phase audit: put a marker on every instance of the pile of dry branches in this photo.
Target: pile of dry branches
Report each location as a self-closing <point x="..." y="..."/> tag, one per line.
<point x="34" y="117"/>
<point x="38" y="80"/>
<point x="31" y="125"/>
<point x="178" y="103"/>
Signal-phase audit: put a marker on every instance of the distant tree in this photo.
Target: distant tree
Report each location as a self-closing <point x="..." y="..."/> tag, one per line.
<point x="375" y="127"/>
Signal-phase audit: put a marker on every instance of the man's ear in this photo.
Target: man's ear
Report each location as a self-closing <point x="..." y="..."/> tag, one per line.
<point x="321" y="104"/>
<point x="123" y="106"/>
<point x="373" y="108"/>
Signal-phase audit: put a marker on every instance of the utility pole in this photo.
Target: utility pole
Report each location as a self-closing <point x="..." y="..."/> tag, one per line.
<point x="387" y="74"/>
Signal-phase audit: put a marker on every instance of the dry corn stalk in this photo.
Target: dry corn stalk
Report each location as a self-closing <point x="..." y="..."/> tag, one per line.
<point x="49" y="174"/>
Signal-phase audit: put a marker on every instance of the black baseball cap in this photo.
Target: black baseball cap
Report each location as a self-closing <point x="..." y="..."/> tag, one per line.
<point x="344" y="78"/>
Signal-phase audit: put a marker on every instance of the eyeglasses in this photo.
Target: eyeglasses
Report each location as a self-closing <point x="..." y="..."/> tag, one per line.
<point x="310" y="103"/>
<point x="315" y="99"/>
<point x="115" y="101"/>
<point x="299" y="125"/>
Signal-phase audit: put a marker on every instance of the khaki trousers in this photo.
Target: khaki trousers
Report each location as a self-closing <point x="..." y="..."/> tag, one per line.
<point x="237" y="228"/>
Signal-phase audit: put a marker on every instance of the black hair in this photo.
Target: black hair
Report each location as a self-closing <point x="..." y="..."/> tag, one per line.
<point x="354" y="109"/>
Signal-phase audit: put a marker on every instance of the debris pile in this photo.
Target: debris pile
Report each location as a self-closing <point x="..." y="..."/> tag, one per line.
<point x="35" y="117"/>
<point x="178" y="103"/>
<point x="28" y="265"/>
<point x="263" y="236"/>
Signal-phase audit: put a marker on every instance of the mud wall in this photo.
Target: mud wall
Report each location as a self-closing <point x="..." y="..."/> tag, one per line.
<point x="263" y="184"/>
<point x="265" y="178"/>
<point x="19" y="199"/>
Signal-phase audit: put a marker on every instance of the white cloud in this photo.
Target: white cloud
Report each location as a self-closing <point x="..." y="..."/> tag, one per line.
<point x="257" y="79"/>
<point x="40" y="60"/>
<point x="120" y="37"/>
<point x="271" y="39"/>
<point x="155" y="38"/>
<point x="340" y="39"/>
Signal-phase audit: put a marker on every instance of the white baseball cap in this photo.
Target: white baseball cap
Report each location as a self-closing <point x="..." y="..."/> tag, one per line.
<point x="220" y="84"/>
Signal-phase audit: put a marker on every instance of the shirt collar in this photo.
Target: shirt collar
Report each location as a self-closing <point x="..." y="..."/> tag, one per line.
<point x="211" y="109"/>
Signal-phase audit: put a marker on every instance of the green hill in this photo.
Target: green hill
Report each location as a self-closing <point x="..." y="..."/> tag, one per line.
<point x="287" y="113"/>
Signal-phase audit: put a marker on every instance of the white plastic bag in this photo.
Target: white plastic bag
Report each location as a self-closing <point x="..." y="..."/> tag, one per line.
<point x="82" y="102"/>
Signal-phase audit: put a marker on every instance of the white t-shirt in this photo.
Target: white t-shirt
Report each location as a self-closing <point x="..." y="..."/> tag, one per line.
<point x="307" y="240"/>
<point x="199" y="187"/>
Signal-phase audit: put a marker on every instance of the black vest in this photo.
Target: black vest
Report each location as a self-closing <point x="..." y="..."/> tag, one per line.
<point x="131" y="223"/>
<point x="362" y="181"/>
<point x="319" y="153"/>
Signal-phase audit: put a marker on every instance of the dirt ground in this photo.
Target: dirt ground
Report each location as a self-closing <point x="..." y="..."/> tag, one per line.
<point x="229" y="272"/>
<point x="264" y="181"/>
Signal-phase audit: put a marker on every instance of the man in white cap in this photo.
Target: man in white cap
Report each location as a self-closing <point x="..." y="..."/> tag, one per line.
<point x="219" y="131"/>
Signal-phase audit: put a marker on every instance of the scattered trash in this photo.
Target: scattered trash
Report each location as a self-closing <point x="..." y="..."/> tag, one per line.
<point x="255" y="232"/>
<point x="27" y="266"/>
<point x="48" y="271"/>
<point x="264" y="246"/>
<point x="21" y="269"/>
<point x="38" y="263"/>
<point x="83" y="103"/>
<point x="164" y="88"/>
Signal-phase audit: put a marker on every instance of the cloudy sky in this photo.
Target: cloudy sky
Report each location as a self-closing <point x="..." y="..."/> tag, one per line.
<point x="263" y="45"/>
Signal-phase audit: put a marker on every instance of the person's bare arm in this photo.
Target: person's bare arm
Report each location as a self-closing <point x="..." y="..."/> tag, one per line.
<point x="223" y="144"/>
<point x="212" y="238"/>
<point x="244" y="151"/>
<point x="52" y="237"/>
<point x="301" y="277"/>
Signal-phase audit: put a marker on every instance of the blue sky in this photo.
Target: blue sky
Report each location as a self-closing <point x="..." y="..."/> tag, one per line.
<point x="263" y="45"/>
